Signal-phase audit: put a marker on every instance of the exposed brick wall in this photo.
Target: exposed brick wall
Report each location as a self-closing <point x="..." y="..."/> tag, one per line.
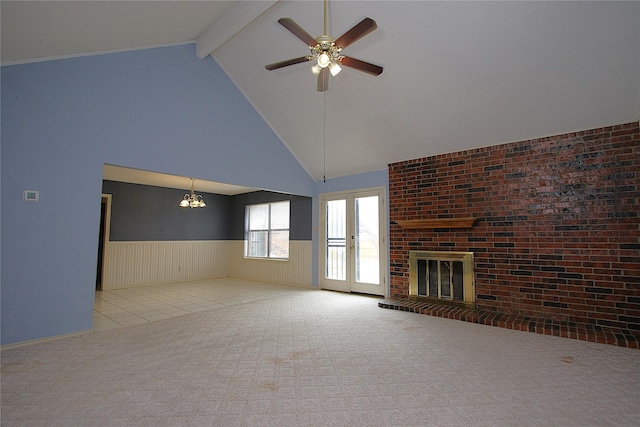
<point x="558" y="234"/>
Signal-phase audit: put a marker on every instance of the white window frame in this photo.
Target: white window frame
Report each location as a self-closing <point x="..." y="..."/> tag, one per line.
<point x="269" y="231"/>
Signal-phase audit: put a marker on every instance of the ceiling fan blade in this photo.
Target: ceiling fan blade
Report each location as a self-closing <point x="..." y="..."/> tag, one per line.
<point x="297" y="30"/>
<point x="286" y="63"/>
<point x="365" y="67"/>
<point x="323" y="80"/>
<point x="356" y="33"/>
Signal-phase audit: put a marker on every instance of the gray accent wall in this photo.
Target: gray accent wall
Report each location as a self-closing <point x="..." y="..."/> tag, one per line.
<point x="148" y="213"/>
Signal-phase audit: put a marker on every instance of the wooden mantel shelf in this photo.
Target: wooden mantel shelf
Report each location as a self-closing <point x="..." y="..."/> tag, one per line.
<point x="414" y="224"/>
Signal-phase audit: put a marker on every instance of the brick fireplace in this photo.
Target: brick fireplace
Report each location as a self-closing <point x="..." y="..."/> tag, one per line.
<point x="555" y="230"/>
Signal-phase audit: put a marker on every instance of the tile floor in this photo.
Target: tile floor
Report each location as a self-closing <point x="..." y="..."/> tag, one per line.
<point x="134" y="306"/>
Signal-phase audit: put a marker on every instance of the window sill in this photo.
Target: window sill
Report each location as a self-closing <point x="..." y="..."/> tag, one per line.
<point x="266" y="259"/>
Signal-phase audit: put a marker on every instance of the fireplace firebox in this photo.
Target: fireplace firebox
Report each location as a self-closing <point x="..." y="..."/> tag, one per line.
<point x="442" y="275"/>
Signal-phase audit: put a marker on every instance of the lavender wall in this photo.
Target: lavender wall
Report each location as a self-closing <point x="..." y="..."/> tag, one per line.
<point x="161" y="110"/>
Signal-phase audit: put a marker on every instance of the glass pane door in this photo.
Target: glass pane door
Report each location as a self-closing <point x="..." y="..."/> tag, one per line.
<point x="367" y="240"/>
<point x="336" y="243"/>
<point x="353" y="242"/>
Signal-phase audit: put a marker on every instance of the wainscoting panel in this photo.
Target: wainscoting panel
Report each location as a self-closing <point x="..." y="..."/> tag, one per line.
<point x="129" y="264"/>
<point x="295" y="271"/>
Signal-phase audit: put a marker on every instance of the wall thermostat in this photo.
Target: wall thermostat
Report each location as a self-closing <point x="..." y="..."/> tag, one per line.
<point x="30" y="195"/>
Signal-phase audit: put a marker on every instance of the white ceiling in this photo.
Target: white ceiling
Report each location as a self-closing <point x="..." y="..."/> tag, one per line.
<point x="457" y="75"/>
<point x="37" y="29"/>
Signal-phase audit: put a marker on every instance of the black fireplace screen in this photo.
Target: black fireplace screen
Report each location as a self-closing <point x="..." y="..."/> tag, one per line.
<point x="442" y="279"/>
<point x="442" y="274"/>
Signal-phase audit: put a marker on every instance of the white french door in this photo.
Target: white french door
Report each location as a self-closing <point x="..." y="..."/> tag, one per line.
<point x="353" y="239"/>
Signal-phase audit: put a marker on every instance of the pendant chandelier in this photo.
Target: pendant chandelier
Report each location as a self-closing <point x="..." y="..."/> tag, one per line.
<point x="192" y="200"/>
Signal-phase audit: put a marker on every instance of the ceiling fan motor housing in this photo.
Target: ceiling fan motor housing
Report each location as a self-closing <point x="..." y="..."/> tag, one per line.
<point x="326" y="45"/>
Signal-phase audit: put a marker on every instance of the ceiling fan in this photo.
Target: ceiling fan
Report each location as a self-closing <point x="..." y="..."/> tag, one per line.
<point x="326" y="51"/>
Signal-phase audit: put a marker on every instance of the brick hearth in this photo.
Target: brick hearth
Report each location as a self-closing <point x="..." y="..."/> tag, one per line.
<point x="580" y="331"/>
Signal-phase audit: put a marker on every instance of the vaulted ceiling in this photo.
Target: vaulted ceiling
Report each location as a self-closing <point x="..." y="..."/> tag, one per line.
<point x="457" y="75"/>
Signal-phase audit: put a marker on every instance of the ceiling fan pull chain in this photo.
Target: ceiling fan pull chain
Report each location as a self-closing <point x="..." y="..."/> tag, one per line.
<point x="324" y="137"/>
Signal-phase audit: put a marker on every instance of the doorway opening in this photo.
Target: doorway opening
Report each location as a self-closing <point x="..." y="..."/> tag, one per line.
<point x="103" y="237"/>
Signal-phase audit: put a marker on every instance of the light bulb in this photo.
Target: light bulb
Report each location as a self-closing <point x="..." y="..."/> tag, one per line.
<point x="315" y="69"/>
<point x="323" y="60"/>
<point x="334" y="68"/>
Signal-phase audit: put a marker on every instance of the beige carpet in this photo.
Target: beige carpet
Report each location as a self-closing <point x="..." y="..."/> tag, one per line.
<point x="316" y="358"/>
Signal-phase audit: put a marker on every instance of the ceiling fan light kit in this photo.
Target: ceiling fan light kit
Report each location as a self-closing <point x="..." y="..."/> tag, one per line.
<point x="326" y="51"/>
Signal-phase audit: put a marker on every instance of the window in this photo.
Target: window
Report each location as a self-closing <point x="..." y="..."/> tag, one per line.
<point x="267" y="230"/>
